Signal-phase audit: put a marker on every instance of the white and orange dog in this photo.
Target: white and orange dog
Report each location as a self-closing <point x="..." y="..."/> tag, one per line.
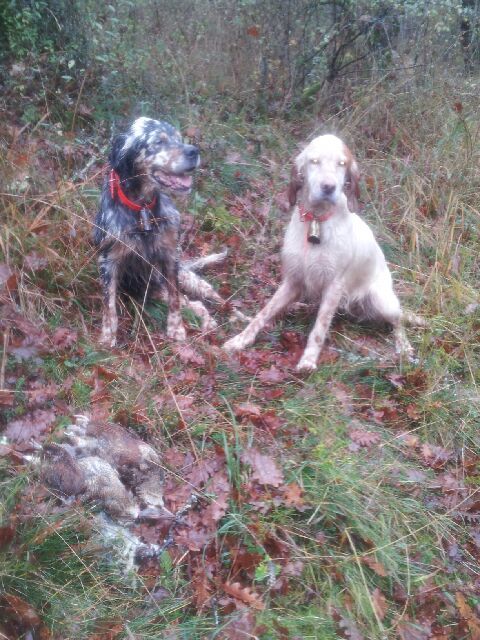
<point x="329" y="255"/>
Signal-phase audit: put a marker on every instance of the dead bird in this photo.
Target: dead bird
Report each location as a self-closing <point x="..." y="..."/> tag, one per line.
<point x="114" y="443"/>
<point x="103" y="485"/>
<point x="61" y="472"/>
<point x="107" y="464"/>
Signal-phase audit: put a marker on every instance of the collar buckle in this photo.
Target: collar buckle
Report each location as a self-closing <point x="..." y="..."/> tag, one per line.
<point x="145" y="220"/>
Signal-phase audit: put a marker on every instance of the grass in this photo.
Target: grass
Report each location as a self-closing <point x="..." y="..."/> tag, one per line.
<point x="368" y="523"/>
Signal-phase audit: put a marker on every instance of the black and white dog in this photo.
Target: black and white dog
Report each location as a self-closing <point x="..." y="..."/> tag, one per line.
<point x="137" y="226"/>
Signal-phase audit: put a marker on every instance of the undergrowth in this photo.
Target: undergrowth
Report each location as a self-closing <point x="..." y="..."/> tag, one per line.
<point x="372" y="535"/>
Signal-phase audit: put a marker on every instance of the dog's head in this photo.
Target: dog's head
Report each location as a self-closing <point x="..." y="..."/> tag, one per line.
<point x="152" y="151"/>
<point x="323" y="171"/>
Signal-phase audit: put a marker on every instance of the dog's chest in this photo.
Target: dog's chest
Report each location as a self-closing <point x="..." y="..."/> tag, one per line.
<point x="123" y="226"/>
<point x="308" y="264"/>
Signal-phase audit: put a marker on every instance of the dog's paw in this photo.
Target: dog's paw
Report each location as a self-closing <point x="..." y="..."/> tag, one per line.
<point x="234" y="344"/>
<point x="108" y="339"/>
<point x="404" y="349"/>
<point x="208" y="325"/>
<point x="306" y="364"/>
<point x="408" y="355"/>
<point x="176" y="332"/>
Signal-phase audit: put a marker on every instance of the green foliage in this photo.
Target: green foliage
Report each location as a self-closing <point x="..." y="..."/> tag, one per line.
<point x="34" y="27"/>
<point x="259" y="57"/>
<point x="22" y="27"/>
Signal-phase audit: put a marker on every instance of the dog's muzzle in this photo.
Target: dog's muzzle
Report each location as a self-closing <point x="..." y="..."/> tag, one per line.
<point x="180" y="179"/>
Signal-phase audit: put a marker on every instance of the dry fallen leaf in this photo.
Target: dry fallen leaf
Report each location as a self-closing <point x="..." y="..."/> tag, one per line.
<point x="364" y="438"/>
<point x="412" y="631"/>
<point x="468" y="615"/>
<point x="34" y="261"/>
<point x="272" y="375"/>
<point x="241" y="626"/>
<point x="343" y="394"/>
<point x="380" y="603"/>
<point x="188" y="355"/>
<point x="15" y="608"/>
<point x="244" y="594"/>
<point x="434" y="456"/>
<point x="264" y="468"/>
<point x="201" y="587"/>
<point x="374" y="565"/>
<point x="7" y="397"/>
<point x="253" y="31"/>
<point x="293" y="496"/>
<point x="248" y="411"/>
<point x="409" y="439"/>
<point x="413" y="412"/>
<point x="347" y="627"/>
<point x="31" y="425"/>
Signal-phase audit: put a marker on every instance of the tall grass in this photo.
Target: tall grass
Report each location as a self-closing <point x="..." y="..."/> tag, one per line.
<point x="418" y="151"/>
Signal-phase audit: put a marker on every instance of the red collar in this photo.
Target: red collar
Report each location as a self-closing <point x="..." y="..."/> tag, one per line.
<point x="116" y="191"/>
<point x="308" y="215"/>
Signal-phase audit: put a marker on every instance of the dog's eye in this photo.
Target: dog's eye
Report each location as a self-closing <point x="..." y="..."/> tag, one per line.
<point x="162" y="139"/>
<point x="315" y="160"/>
<point x="342" y="163"/>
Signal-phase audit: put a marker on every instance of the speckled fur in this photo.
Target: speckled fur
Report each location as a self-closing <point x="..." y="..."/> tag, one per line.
<point x="142" y="263"/>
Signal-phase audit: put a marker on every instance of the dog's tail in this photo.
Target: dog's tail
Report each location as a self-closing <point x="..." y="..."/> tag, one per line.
<point x="193" y="285"/>
<point x="196" y="287"/>
<point x="205" y="261"/>
<point x="413" y="320"/>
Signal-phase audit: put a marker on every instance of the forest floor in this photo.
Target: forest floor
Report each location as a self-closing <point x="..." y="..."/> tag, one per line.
<point x="343" y="504"/>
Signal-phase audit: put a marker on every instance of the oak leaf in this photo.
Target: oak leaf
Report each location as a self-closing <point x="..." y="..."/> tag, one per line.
<point x="17" y="609"/>
<point x="468" y="615"/>
<point x="364" y="438"/>
<point x="264" y="468"/>
<point x="293" y="496"/>
<point x="244" y="594"/>
<point x="272" y="375"/>
<point x="188" y="355"/>
<point x="248" y="410"/>
<point x="375" y="566"/>
<point x="412" y="631"/>
<point x="31" y="425"/>
<point x="201" y="587"/>
<point x="380" y="603"/>
<point x="434" y="455"/>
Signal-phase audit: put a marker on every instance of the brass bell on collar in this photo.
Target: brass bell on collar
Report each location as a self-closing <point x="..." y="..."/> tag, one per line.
<point x="145" y="220"/>
<point x="314" y="232"/>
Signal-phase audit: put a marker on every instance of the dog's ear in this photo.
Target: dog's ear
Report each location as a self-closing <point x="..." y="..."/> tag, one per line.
<point x="352" y="181"/>
<point x="117" y="152"/>
<point x="122" y="158"/>
<point x="295" y="184"/>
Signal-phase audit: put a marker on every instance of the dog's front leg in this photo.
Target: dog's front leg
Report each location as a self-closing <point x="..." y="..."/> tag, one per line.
<point x="175" y="328"/>
<point x="329" y="304"/>
<point x="283" y="297"/>
<point x="109" y="279"/>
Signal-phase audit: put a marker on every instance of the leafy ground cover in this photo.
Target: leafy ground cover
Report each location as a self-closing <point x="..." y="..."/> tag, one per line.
<point x="340" y="505"/>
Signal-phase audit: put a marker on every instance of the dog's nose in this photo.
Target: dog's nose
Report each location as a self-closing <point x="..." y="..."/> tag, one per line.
<point x="191" y="152"/>
<point x="328" y="188"/>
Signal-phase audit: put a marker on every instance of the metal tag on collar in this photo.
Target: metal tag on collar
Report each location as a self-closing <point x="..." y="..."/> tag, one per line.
<point x="314" y="232"/>
<point x="145" y="220"/>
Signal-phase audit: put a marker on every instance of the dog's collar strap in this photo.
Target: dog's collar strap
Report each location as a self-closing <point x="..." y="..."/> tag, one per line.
<point x="308" y="216"/>
<point x="116" y="191"/>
